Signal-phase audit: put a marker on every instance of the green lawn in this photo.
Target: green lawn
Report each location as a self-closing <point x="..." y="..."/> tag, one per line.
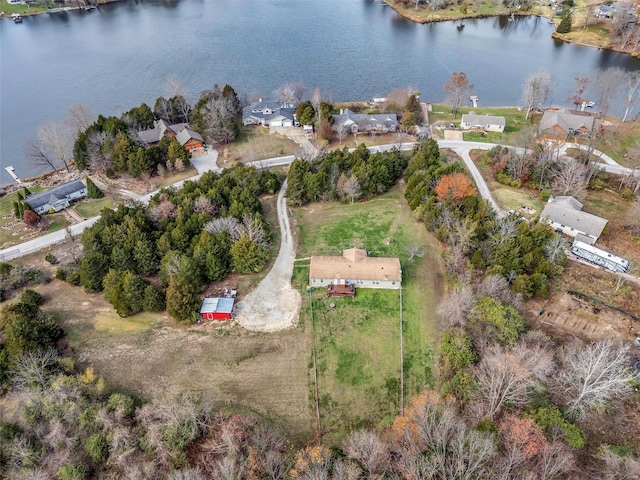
<point x="93" y="208"/>
<point x="358" y="340"/>
<point x="20" y="8"/>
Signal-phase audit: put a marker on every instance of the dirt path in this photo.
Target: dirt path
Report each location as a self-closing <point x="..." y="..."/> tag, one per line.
<point x="274" y="304"/>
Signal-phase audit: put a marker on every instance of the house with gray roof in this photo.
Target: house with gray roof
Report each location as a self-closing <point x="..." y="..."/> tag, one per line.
<point x="365" y="123"/>
<point x="565" y="215"/>
<point x="560" y="123"/>
<point x="268" y="114"/>
<point x="488" y="123"/>
<point x="56" y="198"/>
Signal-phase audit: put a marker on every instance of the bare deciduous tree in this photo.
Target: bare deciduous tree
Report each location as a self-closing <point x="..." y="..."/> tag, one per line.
<point x="370" y="452"/>
<point x="616" y="467"/>
<point x="79" y="117"/>
<point x="496" y="286"/>
<point x="38" y="155"/>
<point x="349" y="186"/>
<point x="342" y="130"/>
<point x="458" y="90"/>
<point x="454" y="311"/>
<point x="570" y="180"/>
<point x="591" y="375"/>
<point x="290" y="93"/>
<point x="222" y="224"/>
<point x="554" y="250"/>
<point x="633" y="93"/>
<point x="506" y="376"/>
<point x="608" y="84"/>
<point x="56" y="138"/>
<point x="34" y="367"/>
<point x="414" y="250"/>
<point x="536" y="90"/>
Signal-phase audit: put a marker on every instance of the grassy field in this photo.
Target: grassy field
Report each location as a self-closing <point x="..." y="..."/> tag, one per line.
<point x="255" y="143"/>
<point x="508" y="198"/>
<point x="514" y="120"/>
<point x="91" y="208"/>
<point x="358" y="341"/>
<point x="20" y="8"/>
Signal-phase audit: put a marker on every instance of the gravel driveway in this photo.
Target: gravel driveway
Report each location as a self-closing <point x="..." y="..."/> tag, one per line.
<point x="274" y="304"/>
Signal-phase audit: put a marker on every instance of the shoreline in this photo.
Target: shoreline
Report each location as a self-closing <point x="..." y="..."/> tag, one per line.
<point x="31" y="13"/>
<point x="555" y="35"/>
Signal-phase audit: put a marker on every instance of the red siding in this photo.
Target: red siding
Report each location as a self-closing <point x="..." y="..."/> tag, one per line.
<point x="221" y="316"/>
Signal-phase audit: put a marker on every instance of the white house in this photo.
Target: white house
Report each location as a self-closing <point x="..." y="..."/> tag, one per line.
<point x="565" y="216"/>
<point x="355" y="267"/>
<point x="268" y="114"/>
<point x="488" y="123"/>
<point x="57" y="198"/>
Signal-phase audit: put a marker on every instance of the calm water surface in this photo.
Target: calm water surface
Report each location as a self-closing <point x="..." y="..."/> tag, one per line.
<point x="119" y="56"/>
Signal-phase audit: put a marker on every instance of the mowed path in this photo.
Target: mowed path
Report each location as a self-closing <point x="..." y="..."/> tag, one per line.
<point x="274" y="304"/>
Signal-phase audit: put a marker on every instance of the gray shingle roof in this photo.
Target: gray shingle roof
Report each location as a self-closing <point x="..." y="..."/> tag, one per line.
<point x="348" y="117"/>
<point x="187" y="134"/>
<point x="54" y="194"/>
<point x="566" y="121"/>
<point x="565" y="213"/>
<point x="482" y="120"/>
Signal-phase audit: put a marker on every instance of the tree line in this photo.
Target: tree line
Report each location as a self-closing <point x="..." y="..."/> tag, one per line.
<point x="343" y="175"/>
<point x="160" y="255"/>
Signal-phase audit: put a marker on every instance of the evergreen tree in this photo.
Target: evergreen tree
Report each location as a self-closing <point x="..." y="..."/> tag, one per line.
<point x="182" y="301"/>
<point x="565" y="24"/>
<point x="92" y="190"/>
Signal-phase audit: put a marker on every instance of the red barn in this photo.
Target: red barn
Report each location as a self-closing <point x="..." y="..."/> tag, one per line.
<point x="217" y="308"/>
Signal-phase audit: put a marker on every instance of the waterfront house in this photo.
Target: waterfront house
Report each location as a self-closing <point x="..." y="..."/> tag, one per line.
<point x="268" y="114"/>
<point x="182" y="132"/>
<point x="365" y="123"/>
<point x="355" y="267"/>
<point x="565" y="215"/>
<point x="560" y="124"/>
<point x="57" y="198"/>
<point x="487" y="123"/>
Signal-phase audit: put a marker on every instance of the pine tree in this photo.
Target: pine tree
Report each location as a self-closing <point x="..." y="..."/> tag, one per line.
<point x="565" y="24"/>
<point x="92" y="190"/>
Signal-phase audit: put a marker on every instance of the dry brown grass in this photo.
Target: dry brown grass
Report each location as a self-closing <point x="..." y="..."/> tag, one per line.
<point x="255" y="143"/>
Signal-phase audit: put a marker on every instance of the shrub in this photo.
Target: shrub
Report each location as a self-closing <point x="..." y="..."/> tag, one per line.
<point x="507" y="180"/>
<point x="30" y="217"/>
<point x="96" y="447"/>
<point x="52" y="259"/>
<point x="626" y="194"/>
<point x="597" y="184"/>
<point x="545" y="195"/>
<point x="31" y="297"/>
<point x="61" y="274"/>
<point x="73" y="278"/>
<point x="71" y="472"/>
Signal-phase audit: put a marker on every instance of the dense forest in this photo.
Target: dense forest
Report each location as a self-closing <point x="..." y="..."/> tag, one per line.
<point x="160" y="255"/>
<point x="343" y="175"/>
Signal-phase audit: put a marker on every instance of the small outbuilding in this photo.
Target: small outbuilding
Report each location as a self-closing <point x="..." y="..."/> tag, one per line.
<point x="217" y="308"/>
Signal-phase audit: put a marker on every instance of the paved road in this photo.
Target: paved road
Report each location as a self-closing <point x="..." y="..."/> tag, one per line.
<point x="209" y="163"/>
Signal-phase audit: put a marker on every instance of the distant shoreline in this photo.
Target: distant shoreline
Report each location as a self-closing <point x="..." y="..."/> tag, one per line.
<point x="555" y="35"/>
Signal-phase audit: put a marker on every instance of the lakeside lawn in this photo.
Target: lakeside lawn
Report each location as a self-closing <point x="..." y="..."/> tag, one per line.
<point x="255" y="143"/>
<point x="515" y="121"/>
<point x="357" y="341"/>
<point x="92" y="208"/>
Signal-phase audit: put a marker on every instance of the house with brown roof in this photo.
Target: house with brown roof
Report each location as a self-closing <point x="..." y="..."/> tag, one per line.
<point x="187" y="137"/>
<point x="355" y="267"/>
<point x="561" y="124"/>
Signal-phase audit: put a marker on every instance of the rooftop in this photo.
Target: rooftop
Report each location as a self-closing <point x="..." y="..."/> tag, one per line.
<point x="355" y="264"/>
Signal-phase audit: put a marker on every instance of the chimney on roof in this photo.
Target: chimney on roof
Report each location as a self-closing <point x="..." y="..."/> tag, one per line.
<point x="341" y="111"/>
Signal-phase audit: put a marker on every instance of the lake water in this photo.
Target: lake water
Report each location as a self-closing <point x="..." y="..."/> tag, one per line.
<point x="118" y="56"/>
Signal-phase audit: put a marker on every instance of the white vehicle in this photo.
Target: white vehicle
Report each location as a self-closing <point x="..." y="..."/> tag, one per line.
<point x="599" y="257"/>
